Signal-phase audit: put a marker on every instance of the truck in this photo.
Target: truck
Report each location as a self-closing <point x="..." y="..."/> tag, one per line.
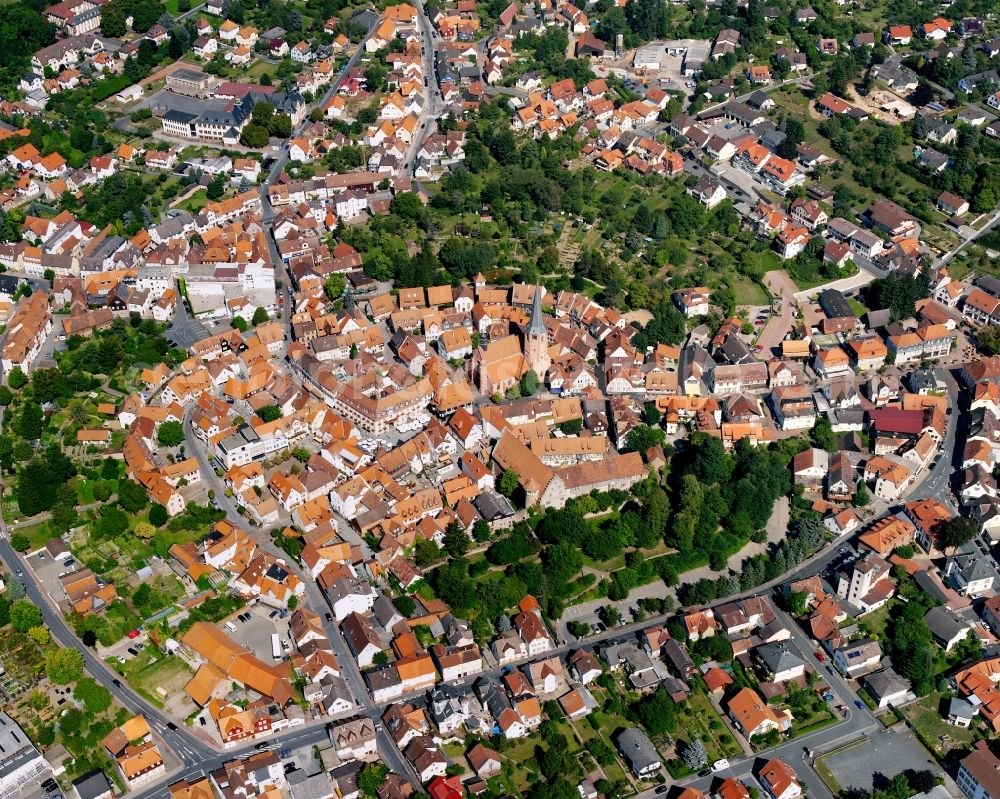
<point x="275" y="646"/>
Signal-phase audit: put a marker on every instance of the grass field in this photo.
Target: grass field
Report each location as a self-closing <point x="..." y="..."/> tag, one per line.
<point x="877" y="619"/>
<point x="195" y="202"/>
<point x="147" y="672"/>
<point x="37" y="534"/>
<point x="935" y="732"/>
<point x="254" y="72"/>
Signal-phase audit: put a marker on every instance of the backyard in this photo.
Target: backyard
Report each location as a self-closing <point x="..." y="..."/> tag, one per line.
<point x="933" y="730"/>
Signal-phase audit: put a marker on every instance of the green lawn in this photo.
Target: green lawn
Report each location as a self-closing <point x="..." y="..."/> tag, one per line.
<point x="747" y="292"/>
<point x="925" y="716"/>
<point x="37" y="534"/>
<point x="859" y="308"/>
<point x="150" y="670"/>
<point x="700" y="719"/>
<point x="877" y="620"/>
<point x="195" y="202"/>
<point x="254" y="72"/>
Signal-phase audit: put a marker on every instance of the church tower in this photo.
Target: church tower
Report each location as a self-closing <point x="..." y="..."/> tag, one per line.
<point x="536" y="339"/>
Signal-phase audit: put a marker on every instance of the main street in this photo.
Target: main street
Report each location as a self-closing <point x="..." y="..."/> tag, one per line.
<point x="434" y="104"/>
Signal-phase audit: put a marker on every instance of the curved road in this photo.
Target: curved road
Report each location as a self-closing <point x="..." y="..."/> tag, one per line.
<point x="187" y="747"/>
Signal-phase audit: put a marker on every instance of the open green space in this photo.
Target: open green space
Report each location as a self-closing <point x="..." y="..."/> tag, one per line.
<point x="933" y="730"/>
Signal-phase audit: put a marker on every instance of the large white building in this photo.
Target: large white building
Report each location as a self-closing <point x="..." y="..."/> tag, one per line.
<point x="22" y="762"/>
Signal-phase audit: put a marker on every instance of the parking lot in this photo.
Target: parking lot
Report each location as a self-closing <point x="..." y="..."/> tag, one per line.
<point x="255" y="633"/>
<point x="184" y="330"/>
<point x="872" y="764"/>
<point x="49" y="571"/>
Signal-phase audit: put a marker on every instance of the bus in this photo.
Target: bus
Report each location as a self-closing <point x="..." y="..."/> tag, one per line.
<point x="275" y="646"/>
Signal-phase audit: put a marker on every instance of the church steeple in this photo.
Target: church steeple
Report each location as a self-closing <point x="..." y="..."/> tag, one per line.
<point x="536" y="327"/>
<point x="536" y="344"/>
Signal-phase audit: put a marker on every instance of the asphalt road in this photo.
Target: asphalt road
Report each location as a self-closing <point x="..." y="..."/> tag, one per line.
<point x="434" y="104"/>
<point x="937" y="484"/>
<point x="282" y="159"/>
<point x="187" y="747"/>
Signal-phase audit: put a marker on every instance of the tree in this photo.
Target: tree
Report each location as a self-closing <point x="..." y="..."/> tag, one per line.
<point x="334" y="287"/>
<point x="529" y="383"/>
<point x="694" y="754"/>
<point x="956" y="532"/>
<point x="29" y="421"/>
<point x="20" y="542"/>
<point x="144" y="530"/>
<point x="110" y="523"/>
<point x="610" y="615"/>
<point x="239" y="323"/>
<point x="861" y="497"/>
<point x="15" y="590"/>
<point x="170" y="434"/>
<point x="642" y="437"/>
<point x="405" y="605"/>
<point x="254" y="136"/>
<point x="798" y="603"/>
<point x="259" y="317"/>
<point x="95" y="697"/>
<point x="132" y="496"/>
<point x="113" y="19"/>
<point x="508" y="482"/>
<point x="6" y="396"/>
<point x="823" y="436"/>
<point x="481" y="531"/>
<point x="64" y="666"/>
<point x="923" y="780"/>
<point x="40" y="635"/>
<point x="426" y="552"/>
<point x="158" y="514"/>
<point x="406" y="204"/>
<point x="456" y="542"/>
<point x="217" y="187"/>
<point x="24" y="615"/>
<point x="64" y="515"/>
<point x="89" y="638"/>
<point x="269" y="413"/>
<point x="989" y="339"/>
<point x="371" y="777"/>
<point x="16" y="379"/>
<point x="657" y="713"/>
<point x="145" y="14"/>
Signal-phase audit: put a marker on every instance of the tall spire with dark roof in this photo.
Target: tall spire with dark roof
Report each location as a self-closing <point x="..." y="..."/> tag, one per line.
<point x="537" y="325"/>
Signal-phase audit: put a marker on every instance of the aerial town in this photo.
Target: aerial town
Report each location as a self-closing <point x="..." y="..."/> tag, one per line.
<point x="502" y="400"/>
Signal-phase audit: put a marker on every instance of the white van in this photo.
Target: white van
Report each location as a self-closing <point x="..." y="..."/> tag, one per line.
<point x="230" y="626"/>
<point x="719" y="765"/>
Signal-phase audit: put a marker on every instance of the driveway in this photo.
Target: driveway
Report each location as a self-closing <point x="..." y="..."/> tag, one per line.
<point x="782" y="288"/>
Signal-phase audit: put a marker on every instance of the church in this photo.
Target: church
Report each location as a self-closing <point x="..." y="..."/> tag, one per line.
<point x="505" y="360"/>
